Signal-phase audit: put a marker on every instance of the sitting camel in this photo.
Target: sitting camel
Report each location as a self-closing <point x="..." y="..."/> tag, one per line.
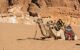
<point x="61" y="32"/>
<point x="56" y="34"/>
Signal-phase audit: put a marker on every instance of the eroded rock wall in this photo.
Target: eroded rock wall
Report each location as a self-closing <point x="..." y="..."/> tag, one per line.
<point x="54" y="8"/>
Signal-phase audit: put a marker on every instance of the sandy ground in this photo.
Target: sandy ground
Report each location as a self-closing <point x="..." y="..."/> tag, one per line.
<point x="19" y="37"/>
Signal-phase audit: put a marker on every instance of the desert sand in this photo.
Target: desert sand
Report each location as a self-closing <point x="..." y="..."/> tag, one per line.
<point x="20" y="37"/>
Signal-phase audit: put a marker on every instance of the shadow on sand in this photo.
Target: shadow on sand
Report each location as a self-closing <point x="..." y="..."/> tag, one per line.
<point x="78" y="44"/>
<point x="21" y="39"/>
<point x="43" y="39"/>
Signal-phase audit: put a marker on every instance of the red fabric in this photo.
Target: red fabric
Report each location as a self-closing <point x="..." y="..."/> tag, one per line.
<point x="69" y="33"/>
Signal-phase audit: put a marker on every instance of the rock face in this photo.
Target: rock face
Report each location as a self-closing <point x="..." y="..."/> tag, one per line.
<point x="43" y="8"/>
<point x="5" y="4"/>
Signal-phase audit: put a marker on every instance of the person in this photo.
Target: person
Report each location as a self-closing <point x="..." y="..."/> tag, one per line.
<point x="69" y="34"/>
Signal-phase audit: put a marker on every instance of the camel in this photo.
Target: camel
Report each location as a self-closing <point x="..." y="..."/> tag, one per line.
<point x="51" y="29"/>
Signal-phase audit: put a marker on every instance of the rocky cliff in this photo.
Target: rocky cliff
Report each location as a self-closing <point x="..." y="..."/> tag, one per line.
<point x="43" y="8"/>
<point x="40" y="5"/>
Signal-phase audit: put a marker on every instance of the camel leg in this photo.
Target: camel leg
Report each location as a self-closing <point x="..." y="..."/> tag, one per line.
<point x="60" y="33"/>
<point x="75" y="37"/>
